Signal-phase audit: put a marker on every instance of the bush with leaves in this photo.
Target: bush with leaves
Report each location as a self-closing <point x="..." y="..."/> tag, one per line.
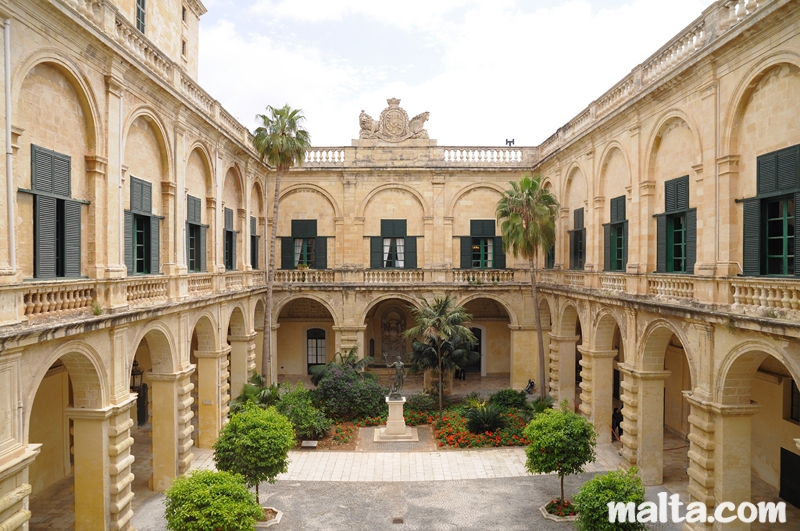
<point x="343" y="394"/>
<point x="308" y="421"/>
<point x="508" y="398"/>
<point x="420" y="403"/>
<point x="347" y="359"/>
<point x="485" y="418"/>
<point x="561" y="441"/>
<point x="207" y="500"/>
<point x="595" y="495"/>
<point x="255" y="391"/>
<point x="255" y="443"/>
<point x="535" y="407"/>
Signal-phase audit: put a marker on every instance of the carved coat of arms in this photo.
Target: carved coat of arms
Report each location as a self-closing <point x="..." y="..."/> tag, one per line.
<point x="393" y="125"/>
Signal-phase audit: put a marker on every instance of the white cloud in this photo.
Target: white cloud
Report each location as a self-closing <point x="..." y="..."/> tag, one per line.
<point x="505" y="72"/>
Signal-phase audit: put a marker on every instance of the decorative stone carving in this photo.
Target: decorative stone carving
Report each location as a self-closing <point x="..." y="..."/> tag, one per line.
<point x="393" y="125"/>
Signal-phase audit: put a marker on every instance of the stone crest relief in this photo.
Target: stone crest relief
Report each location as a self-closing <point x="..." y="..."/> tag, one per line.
<point x="393" y="125"/>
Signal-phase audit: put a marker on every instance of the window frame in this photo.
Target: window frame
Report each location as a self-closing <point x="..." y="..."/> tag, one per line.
<point x="145" y="244"/>
<point x="485" y="252"/>
<point x="141" y="15"/>
<point x="788" y="252"/>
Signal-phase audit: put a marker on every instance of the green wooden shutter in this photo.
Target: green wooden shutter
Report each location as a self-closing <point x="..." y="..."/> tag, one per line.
<point x="583" y="248"/>
<point x="155" y="261"/>
<point x="572" y="264"/>
<point x="188" y="248"/>
<point x="410" y="252"/>
<point x="129" y="241"/>
<point x="287" y="253"/>
<point x="304" y="228"/>
<point x="44" y="236"/>
<point x="796" y="237"/>
<point x="767" y="173"/>
<point x="147" y="197"/>
<point x="253" y="228"/>
<point x="41" y="169"/>
<point x="234" y="257"/>
<point x="61" y="175"/>
<point x="393" y="228"/>
<point x="577" y="219"/>
<point x="321" y="252"/>
<point x="787" y="168"/>
<point x="72" y="240"/>
<point x="670" y="203"/>
<point x="202" y="247"/>
<point x="376" y="252"/>
<point x="691" y="240"/>
<point x="499" y="254"/>
<point x="751" y="237"/>
<point x="618" y="209"/>
<point x="661" y="243"/>
<point x="607" y="246"/>
<point x="625" y="245"/>
<point x="228" y="219"/>
<point x="481" y="228"/>
<point x="466" y="252"/>
<point x="682" y="193"/>
<point x="192" y="209"/>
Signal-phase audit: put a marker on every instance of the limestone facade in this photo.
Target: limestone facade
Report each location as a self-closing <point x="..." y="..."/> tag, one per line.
<point x="151" y="260"/>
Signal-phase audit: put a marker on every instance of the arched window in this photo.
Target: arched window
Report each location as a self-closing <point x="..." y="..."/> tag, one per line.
<point x="315" y="347"/>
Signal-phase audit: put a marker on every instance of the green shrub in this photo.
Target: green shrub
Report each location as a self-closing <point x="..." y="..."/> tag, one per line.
<point x="485" y="418"/>
<point x="420" y="403"/>
<point x="535" y="407"/>
<point x="308" y="421"/>
<point x="211" y="500"/>
<point x="255" y="391"/>
<point x="508" y="398"/>
<point x="343" y="394"/>
<point x="561" y="441"/>
<point x="255" y="444"/>
<point x="595" y="495"/>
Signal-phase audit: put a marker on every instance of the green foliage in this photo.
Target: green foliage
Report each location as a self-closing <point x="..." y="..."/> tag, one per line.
<point x="340" y="359"/>
<point x="308" y="421"/>
<point x="343" y="394"/>
<point x="96" y="308"/>
<point x="508" y="398"/>
<point x="280" y="140"/>
<point x="595" y="495"/>
<point x="421" y="403"/>
<point x="211" y="500"/>
<point x="561" y="441"/>
<point x="471" y="402"/>
<point x="256" y="392"/>
<point x="535" y="407"/>
<point x="255" y="444"/>
<point x="485" y="418"/>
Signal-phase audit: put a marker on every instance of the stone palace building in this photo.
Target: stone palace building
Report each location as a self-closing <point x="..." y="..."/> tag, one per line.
<point x="132" y="253"/>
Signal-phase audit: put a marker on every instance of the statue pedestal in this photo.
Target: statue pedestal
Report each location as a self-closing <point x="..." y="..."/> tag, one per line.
<point x="396" y="429"/>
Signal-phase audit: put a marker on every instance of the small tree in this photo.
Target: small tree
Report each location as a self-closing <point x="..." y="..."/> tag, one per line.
<point x="614" y="487"/>
<point x="211" y="500"/>
<point x="561" y="441"/>
<point x="255" y="444"/>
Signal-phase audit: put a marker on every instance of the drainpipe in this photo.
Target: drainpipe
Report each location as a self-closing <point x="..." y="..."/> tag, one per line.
<point x="121" y="227"/>
<point x="12" y="243"/>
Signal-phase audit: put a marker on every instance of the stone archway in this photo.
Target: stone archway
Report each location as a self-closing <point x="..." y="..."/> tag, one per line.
<point x="295" y="348"/>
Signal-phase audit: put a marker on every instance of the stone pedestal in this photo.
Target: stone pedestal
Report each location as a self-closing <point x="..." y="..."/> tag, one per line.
<point x="396" y="429"/>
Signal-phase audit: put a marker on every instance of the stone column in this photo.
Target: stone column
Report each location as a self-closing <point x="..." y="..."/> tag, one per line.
<point x="243" y="361"/>
<point x="524" y="360"/>
<point x="102" y="470"/>
<point x="701" y="455"/>
<point x="210" y="380"/>
<point x="597" y="387"/>
<point x="562" y="367"/>
<point x="732" y="452"/>
<point x="172" y="428"/>
<point x="112" y="224"/>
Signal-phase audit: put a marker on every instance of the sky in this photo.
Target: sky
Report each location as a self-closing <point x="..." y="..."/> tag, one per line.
<point x="486" y="71"/>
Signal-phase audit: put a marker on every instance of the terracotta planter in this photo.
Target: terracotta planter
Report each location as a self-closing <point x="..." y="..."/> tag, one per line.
<point x="275" y="520"/>
<point x="554" y="518"/>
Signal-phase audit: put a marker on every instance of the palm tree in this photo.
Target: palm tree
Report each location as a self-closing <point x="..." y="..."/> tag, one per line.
<point x="282" y="142"/>
<point x="528" y="214"/>
<point x="441" y="326"/>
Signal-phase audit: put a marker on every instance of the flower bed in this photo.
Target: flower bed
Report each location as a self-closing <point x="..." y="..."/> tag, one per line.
<point x="561" y="509"/>
<point x="452" y="431"/>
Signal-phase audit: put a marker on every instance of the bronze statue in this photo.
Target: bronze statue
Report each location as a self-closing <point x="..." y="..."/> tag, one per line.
<point x="399" y="378"/>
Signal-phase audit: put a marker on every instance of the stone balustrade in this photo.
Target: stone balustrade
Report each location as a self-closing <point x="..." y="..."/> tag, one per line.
<point x="575" y="279"/>
<point x="482" y="276"/>
<point x="146" y="290"/>
<point x="53" y="298"/>
<point x="234" y="280"/>
<point x="324" y="157"/>
<point x="140" y="47"/>
<point x="393" y="276"/>
<point x="766" y="298"/>
<point x="258" y="278"/>
<point x="670" y="286"/>
<point x="483" y="156"/>
<point x="308" y="276"/>
<point x="200" y="284"/>
<point x="615" y="283"/>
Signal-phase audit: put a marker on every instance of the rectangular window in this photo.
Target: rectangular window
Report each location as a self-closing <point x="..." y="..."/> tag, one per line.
<point x="577" y="241"/>
<point x="482" y="253"/>
<point x="140" y="15"/>
<point x="676" y="230"/>
<point x="230" y="241"/>
<point x="141" y="245"/>
<point x="393" y="248"/>
<point x="183" y="13"/>
<point x="304" y="254"/>
<point x="315" y="347"/>
<point x="550" y="259"/>
<point x="779" y="235"/>
<point x="253" y="243"/>
<point x="304" y="247"/>
<point x="141" y="231"/>
<point x="616" y="237"/>
<point x="394" y="252"/>
<point x="183" y="48"/>
<point x="195" y="236"/>
<point x="482" y="249"/>
<point x="56" y="216"/>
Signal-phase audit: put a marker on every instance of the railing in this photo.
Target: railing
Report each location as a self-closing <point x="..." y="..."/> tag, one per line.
<point x="140" y="46"/>
<point x="309" y="276"/>
<point x="575" y="279"/>
<point x="483" y="276"/>
<point x="234" y="281"/>
<point x="201" y="284"/>
<point x="615" y="283"/>
<point x="197" y="95"/>
<point x="483" y="156"/>
<point x="232" y="125"/>
<point x="393" y="276"/>
<point x="324" y="157"/>
<point x="48" y="299"/>
<point x="671" y="287"/>
<point x="146" y="290"/>
<point x="768" y="298"/>
<point x="259" y="278"/>
<point x="547" y="276"/>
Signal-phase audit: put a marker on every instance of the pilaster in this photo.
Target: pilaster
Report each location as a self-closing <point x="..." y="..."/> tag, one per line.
<point x="562" y="367"/>
<point x="172" y="428"/>
<point x="597" y="387"/>
<point x="242" y="361"/>
<point x="212" y="392"/>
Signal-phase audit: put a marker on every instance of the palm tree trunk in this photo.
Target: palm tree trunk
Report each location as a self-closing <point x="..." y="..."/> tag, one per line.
<point x="539" y="337"/>
<point x="439" y="356"/>
<point x="266" y="354"/>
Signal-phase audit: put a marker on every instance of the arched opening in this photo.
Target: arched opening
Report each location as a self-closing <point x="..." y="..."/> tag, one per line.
<point x="241" y="357"/>
<point x="566" y="368"/>
<point x="386" y="323"/>
<point x="204" y="354"/>
<point x="296" y="319"/>
<point x="490" y="324"/>
<point x="258" y="327"/>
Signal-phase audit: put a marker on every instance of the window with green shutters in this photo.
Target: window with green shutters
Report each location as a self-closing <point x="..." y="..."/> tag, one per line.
<point x="141" y="231"/>
<point x="56" y="216"/>
<point x="393" y="249"/>
<point x="304" y="247"/>
<point x="550" y="259"/>
<point x="769" y="242"/>
<point x="140" y="14"/>
<point x="482" y="249"/>
<point x="676" y="230"/>
<point x="577" y="241"/>
<point x="195" y="236"/>
<point x="253" y="243"/>
<point x="615" y="237"/>
<point x="229" y="237"/>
